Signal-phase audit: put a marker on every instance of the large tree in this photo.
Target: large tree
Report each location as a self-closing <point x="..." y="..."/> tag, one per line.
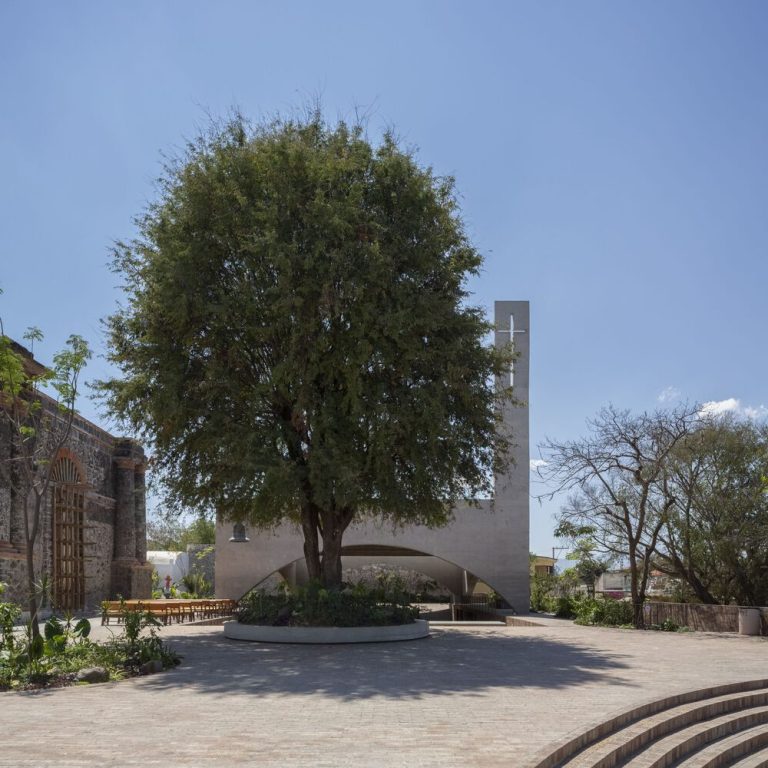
<point x="618" y="484"/>
<point x="715" y="537"/>
<point x="297" y="343"/>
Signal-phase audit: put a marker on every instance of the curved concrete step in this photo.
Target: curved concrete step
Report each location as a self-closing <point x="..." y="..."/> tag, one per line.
<point x="729" y="751"/>
<point x="757" y="760"/>
<point x="619" y="746"/>
<point x="672" y="749"/>
<point x="593" y="742"/>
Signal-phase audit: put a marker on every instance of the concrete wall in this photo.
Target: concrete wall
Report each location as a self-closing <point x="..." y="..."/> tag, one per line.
<point x="490" y="541"/>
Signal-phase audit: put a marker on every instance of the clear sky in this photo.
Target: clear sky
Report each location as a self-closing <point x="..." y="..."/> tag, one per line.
<point x="612" y="160"/>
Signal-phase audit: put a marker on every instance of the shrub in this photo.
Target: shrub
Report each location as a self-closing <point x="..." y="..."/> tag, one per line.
<point x="64" y="648"/>
<point x="603" y="612"/>
<point x="197" y="585"/>
<point x="315" y="606"/>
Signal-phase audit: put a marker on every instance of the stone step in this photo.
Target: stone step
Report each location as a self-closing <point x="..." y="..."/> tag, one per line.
<point x="727" y="751"/>
<point x="672" y="749"/>
<point x="756" y="760"/>
<point x="616" y="748"/>
<point x="591" y="741"/>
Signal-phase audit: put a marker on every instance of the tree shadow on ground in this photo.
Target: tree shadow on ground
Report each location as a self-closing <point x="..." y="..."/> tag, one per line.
<point x="447" y="662"/>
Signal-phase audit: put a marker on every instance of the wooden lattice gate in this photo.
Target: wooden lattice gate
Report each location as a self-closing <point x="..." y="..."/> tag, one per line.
<point x="68" y="538"/>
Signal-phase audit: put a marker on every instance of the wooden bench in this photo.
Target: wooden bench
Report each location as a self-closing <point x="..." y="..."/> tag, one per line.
<point x="169" y="611"/>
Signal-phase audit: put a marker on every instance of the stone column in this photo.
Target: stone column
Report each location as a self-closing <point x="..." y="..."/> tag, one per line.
<point x="140" y="512"/>
<point x="125" y="512"/>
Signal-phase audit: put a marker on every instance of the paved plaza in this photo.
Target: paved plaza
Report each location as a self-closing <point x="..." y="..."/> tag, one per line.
<point x="467" y="696"/>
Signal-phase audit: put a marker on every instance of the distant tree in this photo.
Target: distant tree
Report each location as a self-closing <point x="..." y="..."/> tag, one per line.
<point x="715" y="536"/>
<point x="618" y="484"/>
<point x="296" y="343"/>
<point x="37" y="426"/>
<point x="200" y="531"/>
<point x="168" y="533"/>
<point x="588" y="566"/>
<point x="164" y="534"/>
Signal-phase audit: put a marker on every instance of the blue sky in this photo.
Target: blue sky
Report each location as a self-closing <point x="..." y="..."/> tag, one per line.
<point x="612" y="161"/>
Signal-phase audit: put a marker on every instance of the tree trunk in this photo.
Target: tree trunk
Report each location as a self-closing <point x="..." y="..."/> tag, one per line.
<point x="638" y="618"/>
<point x="32" y="589"/>
<point x="309" y="526"/>
<point x="332" y="558"/>
<point x="335" y="522"/>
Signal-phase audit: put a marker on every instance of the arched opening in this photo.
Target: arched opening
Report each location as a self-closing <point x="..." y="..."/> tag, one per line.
<point x="68" y="534"/>
<point x="448" y="578"/>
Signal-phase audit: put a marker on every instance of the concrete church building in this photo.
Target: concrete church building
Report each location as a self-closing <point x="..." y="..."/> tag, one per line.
<point x="488" y="542"/>
<point x="92" y="542"/>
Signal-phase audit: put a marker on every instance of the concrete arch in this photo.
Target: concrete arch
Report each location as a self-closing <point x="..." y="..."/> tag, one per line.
<point x="451" y="576"/>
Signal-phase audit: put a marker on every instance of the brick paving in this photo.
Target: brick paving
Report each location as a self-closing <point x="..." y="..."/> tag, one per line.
<point x="490" y="696"/>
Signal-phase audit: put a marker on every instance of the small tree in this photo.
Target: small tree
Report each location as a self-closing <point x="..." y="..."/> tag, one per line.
<point x="588" y="566"/>
<point x="619" y="486"/>
<point x="296" y="344"/>
<point x="38" y="426"/>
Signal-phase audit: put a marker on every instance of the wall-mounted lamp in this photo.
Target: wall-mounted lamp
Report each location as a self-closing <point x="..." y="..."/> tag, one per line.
<point x="238" y="533"/>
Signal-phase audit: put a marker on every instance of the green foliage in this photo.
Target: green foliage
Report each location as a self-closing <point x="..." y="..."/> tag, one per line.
<point x="543" y="591"/>
<point x="197" y="585"/>
<point x="716" y="534"/>
<point x="315" y="606"/>
<point x="296" y="341"/>
<point x="168" y="533"/>
<point x="64" y="648"/>
<point x="554" y="593"/>
<point x="668" y="625"/>
<point x="603" y="612"/>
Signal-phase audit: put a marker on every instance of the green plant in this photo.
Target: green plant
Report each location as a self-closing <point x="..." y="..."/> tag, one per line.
<point x="313" y="605"/>
<point x="197" y="585"/>
<point x="133" y="648"/>
<point x="669" y="625"/>
<point x="603" y="612"/>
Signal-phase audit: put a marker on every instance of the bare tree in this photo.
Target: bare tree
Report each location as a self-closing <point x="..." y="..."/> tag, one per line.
<point x="37" y="427"/>
<point x="618" y="485"/>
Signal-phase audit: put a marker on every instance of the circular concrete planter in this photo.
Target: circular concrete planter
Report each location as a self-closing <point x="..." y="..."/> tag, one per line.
<point x="256" y="633"/>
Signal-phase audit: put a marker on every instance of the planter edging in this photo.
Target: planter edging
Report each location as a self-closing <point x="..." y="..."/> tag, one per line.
<point x="258" y="633"/>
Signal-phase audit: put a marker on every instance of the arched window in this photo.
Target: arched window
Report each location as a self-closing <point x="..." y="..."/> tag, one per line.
<point x="68" y="540"/>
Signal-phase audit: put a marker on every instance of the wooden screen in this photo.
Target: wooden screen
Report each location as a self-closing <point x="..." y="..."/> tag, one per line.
<point x="68" y="540"/>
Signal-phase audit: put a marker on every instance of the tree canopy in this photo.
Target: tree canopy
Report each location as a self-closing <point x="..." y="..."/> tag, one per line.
<point x="716" y="535"/>
<point x="677" y="491"/>
<point x="616" y="477"/>
<point x="297" y="343"/>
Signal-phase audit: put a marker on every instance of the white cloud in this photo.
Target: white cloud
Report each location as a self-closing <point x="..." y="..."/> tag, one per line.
<point x="720" y="407"/>
<point x="536" y="463"/>
<point x="668" y="395"/>
<point x="733" y="406"/>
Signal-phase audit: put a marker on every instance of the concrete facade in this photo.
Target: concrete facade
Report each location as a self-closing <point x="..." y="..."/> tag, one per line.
<point x="107" y="473"/>
<point x="488" y="540"/>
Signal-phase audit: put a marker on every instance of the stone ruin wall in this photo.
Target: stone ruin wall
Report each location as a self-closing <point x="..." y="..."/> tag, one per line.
<point x="95" y="451"/>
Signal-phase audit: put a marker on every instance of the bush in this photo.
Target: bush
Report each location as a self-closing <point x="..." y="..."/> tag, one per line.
<point x="603" y="612"/>
<point x="668" y="625"/>
<point x="64" y="649"/>
<point x="197" y="585"/>
<point x="315" y="606"/>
